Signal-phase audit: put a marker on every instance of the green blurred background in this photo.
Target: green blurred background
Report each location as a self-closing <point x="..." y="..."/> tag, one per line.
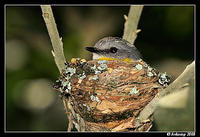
<point x="166" y="43"/>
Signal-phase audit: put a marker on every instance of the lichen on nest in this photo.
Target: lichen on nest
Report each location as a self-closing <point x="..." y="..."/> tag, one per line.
<point x="106" y="90"/>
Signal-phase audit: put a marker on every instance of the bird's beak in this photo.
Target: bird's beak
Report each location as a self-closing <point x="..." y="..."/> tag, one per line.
<point x="91" y="49"/>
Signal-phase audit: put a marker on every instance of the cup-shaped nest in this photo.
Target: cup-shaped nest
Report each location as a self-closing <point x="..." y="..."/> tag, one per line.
<point x="109" y="94"/>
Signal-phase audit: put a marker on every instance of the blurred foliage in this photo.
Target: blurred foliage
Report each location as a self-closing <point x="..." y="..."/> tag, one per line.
<point x="166" y="39"/>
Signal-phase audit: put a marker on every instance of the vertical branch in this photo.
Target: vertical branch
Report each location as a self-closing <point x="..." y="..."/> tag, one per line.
<point x="130" y="26"/>
<point x="54" y="36"/>
<point x="57" y="44"/>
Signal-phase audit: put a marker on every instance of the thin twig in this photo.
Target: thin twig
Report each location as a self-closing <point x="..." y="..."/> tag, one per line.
<point x="54" y="36"/>
<point x="185" y="77"/>
<point x="130" y="26"/>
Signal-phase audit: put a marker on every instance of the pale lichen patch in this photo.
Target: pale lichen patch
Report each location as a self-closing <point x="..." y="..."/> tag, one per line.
<point x="134" y="91"/>
<point x="138" y="66"/>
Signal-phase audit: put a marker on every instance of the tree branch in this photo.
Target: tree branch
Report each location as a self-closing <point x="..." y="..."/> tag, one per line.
<point x="54" y="36"/>
<point x="185" y="77"/>
<point x="187" y="74"/>
<point x="57" y="51"/>
<point x="130" y="26"/>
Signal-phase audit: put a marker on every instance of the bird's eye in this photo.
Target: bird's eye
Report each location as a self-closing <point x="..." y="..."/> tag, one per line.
<point x="113" y="50"/>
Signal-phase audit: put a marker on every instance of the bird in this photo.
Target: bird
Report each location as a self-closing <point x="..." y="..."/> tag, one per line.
<point x="109" y="91"/>
<point x="116" y="48"/>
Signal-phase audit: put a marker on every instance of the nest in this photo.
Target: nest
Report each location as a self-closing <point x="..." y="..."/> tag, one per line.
<point x="108" y="95"/>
